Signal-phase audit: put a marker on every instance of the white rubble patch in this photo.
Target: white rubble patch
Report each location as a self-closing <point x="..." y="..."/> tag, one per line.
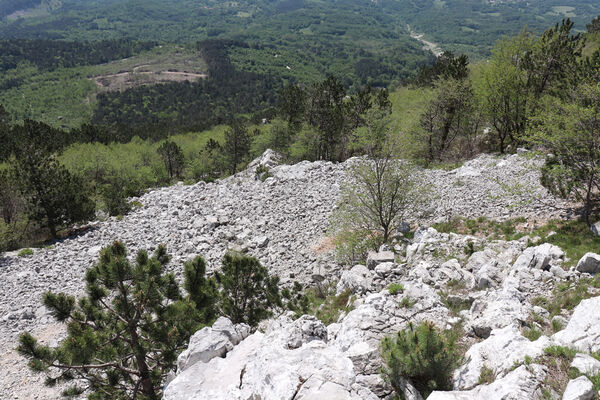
<point x="583" y="330"/>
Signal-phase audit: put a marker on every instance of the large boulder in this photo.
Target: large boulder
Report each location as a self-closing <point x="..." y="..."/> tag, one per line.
<point x="291" y="360"/>
<point x="358" y="280"/>
<point x="376" y="258"/>
<point x="583" y="330"/>
<point x="498" y="352"/>
<point x="589" y="263"/>
<point x="525" y="382"/>
<point x="498" y="309"/>
<point x="586" y="364"/>
<point x="579" y="389"/>
<point x="540" y="257"/>
<point x="211" y="342"/>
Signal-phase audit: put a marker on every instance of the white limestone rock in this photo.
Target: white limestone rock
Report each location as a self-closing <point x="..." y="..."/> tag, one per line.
<point x="540" y="257"/>
<point x="358" y="279"/>
<point x="523" y="383"/>
<point x="292" y="360"/>
<point x="590" y="263"/>
<point x="376" y="258"/>
<point x="211" y="342"/>
<point x="498" y="352"/>
<point x="579" y="389"/>
<point x="583" y="330"/>
<point x="586" y="364"/>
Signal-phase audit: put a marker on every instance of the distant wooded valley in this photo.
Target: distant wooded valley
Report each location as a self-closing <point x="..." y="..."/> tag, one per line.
<point x="114" y="97"/>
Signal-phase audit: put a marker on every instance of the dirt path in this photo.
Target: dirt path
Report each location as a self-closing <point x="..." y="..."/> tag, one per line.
<point x="429" y="46"/>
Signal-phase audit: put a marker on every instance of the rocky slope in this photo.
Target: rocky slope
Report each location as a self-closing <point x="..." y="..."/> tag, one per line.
<point x="282" y="221"/>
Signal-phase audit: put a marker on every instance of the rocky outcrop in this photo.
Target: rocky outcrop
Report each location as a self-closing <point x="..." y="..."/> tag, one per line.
<point x="583" y="330"/>
<point x="525" y="382"/>
<point x="211" y="342"/>
<point x="291" y="360"/>
<point x="499" y="353"/>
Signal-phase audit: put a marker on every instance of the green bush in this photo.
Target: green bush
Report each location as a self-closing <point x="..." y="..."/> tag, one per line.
<point x="486" y="375"/>
<point x="422" y="354"/>
<point x="25" y="252"/>
<point x="396" y="288"/>
<point x="262" y="172"/>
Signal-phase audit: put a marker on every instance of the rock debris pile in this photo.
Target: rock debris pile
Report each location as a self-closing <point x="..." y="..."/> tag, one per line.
<point x="283" y="222"/>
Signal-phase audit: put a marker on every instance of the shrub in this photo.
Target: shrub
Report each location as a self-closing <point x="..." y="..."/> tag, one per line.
<point x="556" y="325"/>
<point x="486" y="375"/>
<point x="422" y="354"/>
<point x="396" y="288"/>
<point x="532" y="334"/>
<point x="407" y="302"/>
<point x="25" y="252"/>
<point x="262" y="173"/>
<point x="561" y="352"/>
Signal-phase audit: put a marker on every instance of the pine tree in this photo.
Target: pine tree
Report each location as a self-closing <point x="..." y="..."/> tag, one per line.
<point x="172" y="157"/>
<point x="202" y="290"/>
<point x="55" y="197"/>
<point x="237" y="145"/>
<point x="247" y="292"/>
<point x="124" y="335"/>
<point x="421" y="354"/>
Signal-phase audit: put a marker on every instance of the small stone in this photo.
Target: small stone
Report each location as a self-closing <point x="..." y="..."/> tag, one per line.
<point x="374" y="259"/>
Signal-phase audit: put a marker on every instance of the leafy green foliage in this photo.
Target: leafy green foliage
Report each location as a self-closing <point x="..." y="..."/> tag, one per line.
<point x="421" y="354"/>
<point x="25" y="252"/>
<point x="52" y="54"/>
<point x="125" y="335"/>
<point x="246" y="291"/>
<point x="569" y="130"/>
<point x="532" y="334"/>
<point x="449" y="122"/>
<point x="201" y="290"/>
<point x="561" y="351"/>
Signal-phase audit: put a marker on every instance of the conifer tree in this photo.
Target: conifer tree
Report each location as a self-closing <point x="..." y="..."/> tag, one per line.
<point x="247" y="292"/>
<point x="55" y="197"/>
<point x="237" y="145"/>
<point x="172" y="157"/>
<point x="125" y="334"/>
